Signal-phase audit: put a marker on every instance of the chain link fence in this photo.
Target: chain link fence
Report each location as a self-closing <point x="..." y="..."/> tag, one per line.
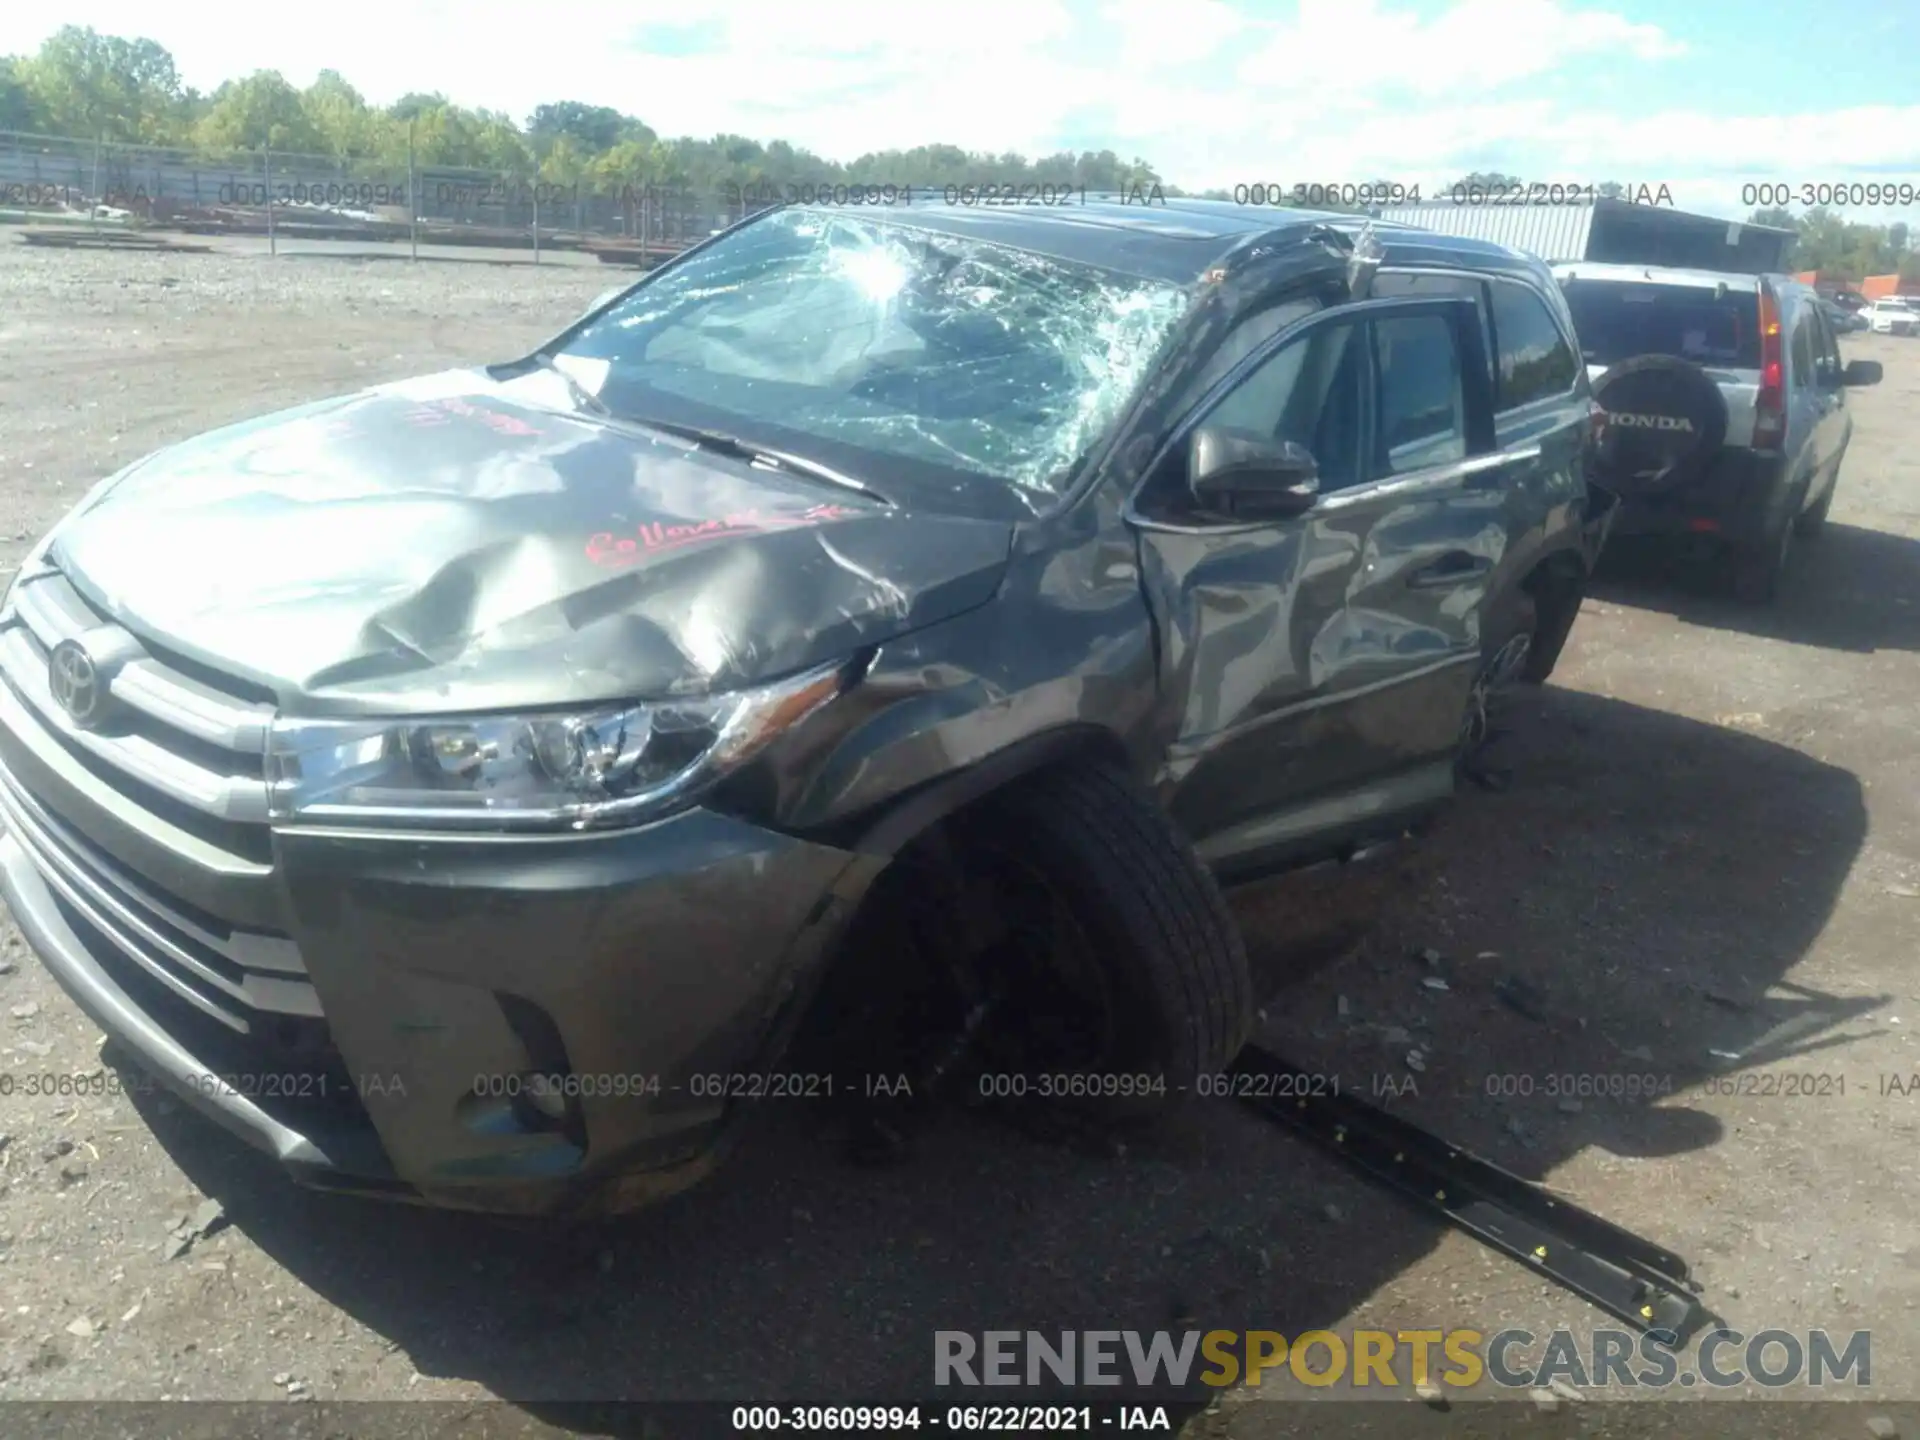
<point x="50" y="180"/>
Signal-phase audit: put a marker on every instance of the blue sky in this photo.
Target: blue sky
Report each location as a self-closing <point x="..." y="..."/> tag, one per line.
<point x="1700" y="95"/>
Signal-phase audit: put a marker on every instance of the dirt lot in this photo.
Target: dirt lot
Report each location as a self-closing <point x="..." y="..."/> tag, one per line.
<point x="1710" y="843"/>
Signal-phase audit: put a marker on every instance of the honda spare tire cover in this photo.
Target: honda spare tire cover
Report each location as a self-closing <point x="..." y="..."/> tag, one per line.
<point x="1665" y="419"/>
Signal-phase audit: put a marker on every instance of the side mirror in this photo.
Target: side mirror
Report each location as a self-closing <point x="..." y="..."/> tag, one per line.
<point x="1249" y="476"/>
<point x="1861" y="372"/>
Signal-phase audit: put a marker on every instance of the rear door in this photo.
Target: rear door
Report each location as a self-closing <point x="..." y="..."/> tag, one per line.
<point x="1321" y="664"/>
<point x="1542" y="426"/>
<point x="1808" y="410"/>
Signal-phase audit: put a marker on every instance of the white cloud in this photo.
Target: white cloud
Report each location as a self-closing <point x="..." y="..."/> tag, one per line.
<point x="894" y="31"/>
<point x="1155" y="34"/>
<point x="1337" y="47"/>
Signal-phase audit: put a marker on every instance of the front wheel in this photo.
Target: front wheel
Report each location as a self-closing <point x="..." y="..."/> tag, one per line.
<point x="1122" y="964"/>
<point x="1505" y="654"/>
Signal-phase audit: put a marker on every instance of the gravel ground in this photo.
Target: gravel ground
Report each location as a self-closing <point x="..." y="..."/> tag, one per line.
<point x="1710" y="843"/>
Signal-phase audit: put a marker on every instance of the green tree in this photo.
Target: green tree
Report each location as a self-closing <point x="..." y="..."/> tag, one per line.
<point x="415" y="103"/>
<point x="341" y="117"/>
<point x="593" y="128"/>
<point x="19" y="107"/>
<point x="629" y="165"/>
<point x="1844" y="249"/>
<point x="494" y="142"/>
<point x="424" y="127"/>
<point x="565" y="162"/>
<point x="1486" y="180"/>
<point x="88" y="84"/>
<point x="260" y="110"/>
<point x="85" y="84"/>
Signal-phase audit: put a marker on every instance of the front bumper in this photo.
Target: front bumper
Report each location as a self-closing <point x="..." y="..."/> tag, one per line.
<point x="446" y="973"/>
<point x="1739" y="498"/>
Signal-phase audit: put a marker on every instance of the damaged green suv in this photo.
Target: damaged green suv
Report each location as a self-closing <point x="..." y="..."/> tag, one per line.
<point x="463" y="789"/>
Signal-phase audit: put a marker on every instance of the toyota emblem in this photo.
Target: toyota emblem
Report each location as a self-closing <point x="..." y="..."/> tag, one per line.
<point x="75" y="681"/>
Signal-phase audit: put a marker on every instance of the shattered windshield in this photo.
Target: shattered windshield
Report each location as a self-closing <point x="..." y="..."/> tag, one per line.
<point x="888" y="339"/>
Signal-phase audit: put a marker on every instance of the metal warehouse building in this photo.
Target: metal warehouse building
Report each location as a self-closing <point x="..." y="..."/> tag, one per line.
<point x="1609" y="231"/>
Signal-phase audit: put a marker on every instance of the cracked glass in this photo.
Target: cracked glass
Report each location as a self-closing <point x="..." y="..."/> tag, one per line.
<point x="890" y="340"/>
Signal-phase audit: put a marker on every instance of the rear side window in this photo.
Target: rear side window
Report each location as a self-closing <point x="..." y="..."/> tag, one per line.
<point x="1391" y="284"/>
<point x="1617" y="322"/>
<point x="1803" y="350"/>
<point x="1827" y="361"/>
<point x="1535" y="360"/>
<point x="1421" y="409"/>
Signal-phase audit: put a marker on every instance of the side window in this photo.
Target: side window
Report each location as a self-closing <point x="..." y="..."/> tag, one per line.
<point x="1394" y="284"/>
<point x="1307" y="391"/>
<point x="1535" y="360"/>
<point x="1243" y="339"/>
<point x="1419" y="400"/>
<point x="1802" y="349"/>
<point x="1828" y="358"/>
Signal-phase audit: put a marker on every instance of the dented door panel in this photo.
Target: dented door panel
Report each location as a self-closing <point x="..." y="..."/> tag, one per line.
<point x="1313" y="654"/>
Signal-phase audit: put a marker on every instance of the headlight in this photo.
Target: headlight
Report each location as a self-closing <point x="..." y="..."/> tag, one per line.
<point x="577" y="769"/>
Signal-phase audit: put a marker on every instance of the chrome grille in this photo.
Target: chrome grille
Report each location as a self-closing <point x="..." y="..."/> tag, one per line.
<point x="179" y="742"/>
<point x="184" y="738"/>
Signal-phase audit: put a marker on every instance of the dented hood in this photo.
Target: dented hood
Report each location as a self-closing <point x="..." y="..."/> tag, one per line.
<point x="458" y="543"/>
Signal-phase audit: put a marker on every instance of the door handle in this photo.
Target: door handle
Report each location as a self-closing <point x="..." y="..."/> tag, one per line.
<point x="1456" y="567"/>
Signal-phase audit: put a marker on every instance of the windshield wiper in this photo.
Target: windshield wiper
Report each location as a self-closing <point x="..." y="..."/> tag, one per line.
<point x="725" y="444"/>
<point x="716" y="440"/>
<point x="582" y="396"/>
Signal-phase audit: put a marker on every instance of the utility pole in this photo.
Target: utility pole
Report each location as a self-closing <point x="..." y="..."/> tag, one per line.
<point x="413" y="199"/>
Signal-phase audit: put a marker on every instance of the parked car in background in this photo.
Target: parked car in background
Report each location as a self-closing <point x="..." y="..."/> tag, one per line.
<point x="507" y="760"/>
<point x="1894" y="315"/>
<point x="1726" y="406"/>
<point x="1843" y="320"/>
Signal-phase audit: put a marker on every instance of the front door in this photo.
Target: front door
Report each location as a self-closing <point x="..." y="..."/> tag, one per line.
<point x="1319" y="665"/>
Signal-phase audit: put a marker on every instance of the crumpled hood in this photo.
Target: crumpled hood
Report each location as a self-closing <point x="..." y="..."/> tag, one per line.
<point x="446" y="544"/>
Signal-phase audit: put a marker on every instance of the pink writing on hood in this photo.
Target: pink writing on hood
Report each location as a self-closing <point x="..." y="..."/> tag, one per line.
<point x="608" y="548"/>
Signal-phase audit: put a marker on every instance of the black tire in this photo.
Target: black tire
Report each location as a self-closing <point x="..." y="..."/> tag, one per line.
<point x="1181" y="995"/>
<point x="1809" y="523"/>
<point x="1506" y="650"/>
<point x="1557" y="597"/>
<point x="1758" y="568"/>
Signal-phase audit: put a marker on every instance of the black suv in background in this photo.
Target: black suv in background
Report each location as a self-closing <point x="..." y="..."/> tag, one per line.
<point x="462" y="789"/>
<point x="1726" y="403"/>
